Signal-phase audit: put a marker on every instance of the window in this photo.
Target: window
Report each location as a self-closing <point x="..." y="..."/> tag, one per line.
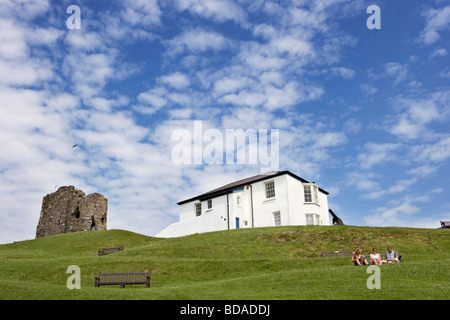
<point x="270" y="189"/>
<point x="308" y="197"/>
<point x="313" y="219"/>
<point x="315" y="196"/>
<point x="310" y="193"/>
<point x="277" y="218"/>
<point x="238" y="200"/>
<point x="198" y="209"/>
<point x="209" y="204"/>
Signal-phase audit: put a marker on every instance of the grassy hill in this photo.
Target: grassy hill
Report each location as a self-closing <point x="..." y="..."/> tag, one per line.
<point x="260" y="263"/>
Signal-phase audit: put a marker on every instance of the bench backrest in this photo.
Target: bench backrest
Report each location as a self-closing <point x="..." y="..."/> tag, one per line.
<point x="327" y="254"/>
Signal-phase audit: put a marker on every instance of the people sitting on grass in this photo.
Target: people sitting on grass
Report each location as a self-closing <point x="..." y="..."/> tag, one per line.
<point x="375" y="257"/>
<point x="358" y="258"/>
<point x="392" y="256"/>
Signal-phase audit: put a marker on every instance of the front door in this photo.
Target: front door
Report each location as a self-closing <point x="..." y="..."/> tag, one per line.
<point x="237" y="223"/>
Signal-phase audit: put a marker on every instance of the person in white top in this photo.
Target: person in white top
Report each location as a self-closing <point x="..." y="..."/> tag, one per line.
<point x="375" y="257"/>
<point x="392" y="256"/>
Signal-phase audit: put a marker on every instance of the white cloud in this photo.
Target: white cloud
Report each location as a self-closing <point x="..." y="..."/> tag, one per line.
<point x="244" y="98"/>
<point x="84" y="41"/>
<point x="262" y="62"/>
<point x="24" y="9"/>
<point x="12" y="38"/>
<point x="436" y="152"/>
<point x="196" y="40"/>
<point x="436" y="20"/>
<point x="418" y="114"/>
<point x="329" y="139"/>
<point x="402" y="185"/>
<point x="368" y="89"/>
<point x="445" y="73"/>
<point x="344" y="72"/>
<point x="217" y="10"/>
<point x="155" y="97"/>
<point x="377" y="153"/>
<point x="308" y="19"/>
<point x="230" y="84"/>
<point x="405" y="212"/>
<point x="422" y="171"/>
<point x="441" y="52"/>
<point x="89" y="73"/>
<point x="176" y="80"/>
<point x="397" y="71"/>
<point x="292" y="46"/>
<point x="363" y="181"/>
<point x="141" y="12"/>
<point x="285" y="97"/>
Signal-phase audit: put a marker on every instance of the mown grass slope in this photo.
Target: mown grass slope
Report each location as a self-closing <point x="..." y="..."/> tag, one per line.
<point x="260" y="263"/>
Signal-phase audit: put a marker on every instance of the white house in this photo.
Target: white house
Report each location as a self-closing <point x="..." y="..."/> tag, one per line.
<point x="277" y="198"/>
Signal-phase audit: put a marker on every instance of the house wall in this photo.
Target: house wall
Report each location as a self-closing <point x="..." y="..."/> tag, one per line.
<point x="239" y="210"/>
<point x="264" y="209"/>
<point x="214" y="219"/>
<point x="299" y="208"/>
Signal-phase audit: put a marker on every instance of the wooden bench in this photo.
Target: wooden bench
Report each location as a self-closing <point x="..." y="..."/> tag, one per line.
<point x="328" y="254"/>
<point x="106" y="251"/>
<point x="123" y="279"/>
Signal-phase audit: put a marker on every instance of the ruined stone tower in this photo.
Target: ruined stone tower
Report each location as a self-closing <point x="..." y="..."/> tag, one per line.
<point x="70" y="210"/>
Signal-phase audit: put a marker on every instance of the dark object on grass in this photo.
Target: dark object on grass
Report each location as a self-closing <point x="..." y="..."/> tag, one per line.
<point x="336" y="219"/>
<point x="106" y="251"/>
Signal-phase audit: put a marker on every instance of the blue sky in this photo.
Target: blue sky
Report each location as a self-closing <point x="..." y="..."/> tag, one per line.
<point x="362" y="112"/>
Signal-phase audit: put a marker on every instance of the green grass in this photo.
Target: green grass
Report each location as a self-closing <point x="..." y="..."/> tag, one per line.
<point x="260" y="263"/>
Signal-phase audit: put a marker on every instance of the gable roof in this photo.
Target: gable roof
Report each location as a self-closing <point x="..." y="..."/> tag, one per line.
<point x="228" y="188"/>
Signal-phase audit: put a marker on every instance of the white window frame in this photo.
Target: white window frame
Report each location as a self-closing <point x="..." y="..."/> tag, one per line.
<point x="309" y="219"/>
<point x="198" y="205"/>
<point x="307" y="193"/>
<point x="271" y="190"/>
<point x="209" y="205"/>
<point x="313" y="193"/>
<point x="314" y="218"/>
<point x="277" y="218"/>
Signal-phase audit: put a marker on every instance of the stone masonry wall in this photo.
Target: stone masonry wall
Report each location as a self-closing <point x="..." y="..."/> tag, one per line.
<point x="70" y="210"/>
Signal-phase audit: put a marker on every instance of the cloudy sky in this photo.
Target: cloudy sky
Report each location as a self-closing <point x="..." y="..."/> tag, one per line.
<point x="362" y="112"/>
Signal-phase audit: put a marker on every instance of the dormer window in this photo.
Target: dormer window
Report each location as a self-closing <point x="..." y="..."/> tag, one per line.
<point x="311" y="193"/>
